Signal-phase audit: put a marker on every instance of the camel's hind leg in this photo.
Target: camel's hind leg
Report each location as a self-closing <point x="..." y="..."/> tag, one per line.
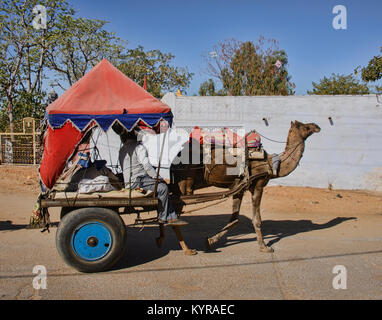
<point x="185" y="248"/>
<point x="257" y="193"/>
<point x="233" y="221"/>
<point x="187" y="251"/>
<point x="161" y="237"/>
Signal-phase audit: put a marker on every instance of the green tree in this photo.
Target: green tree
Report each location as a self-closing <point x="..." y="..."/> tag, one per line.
<point x="247" y="68"/>
<point x="161" y="76"/>
<point x="24" y="48"/>
<point x="373" y="71"/>
<point x="207" y="88"/>
<point x="24" y="105"/>
<point x="80" y="44"/>
<point x="339" y="84"/>
<point x="69" y="46"/>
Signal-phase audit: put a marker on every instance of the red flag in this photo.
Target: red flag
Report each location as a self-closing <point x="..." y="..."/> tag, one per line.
<point x="144" y="83"/>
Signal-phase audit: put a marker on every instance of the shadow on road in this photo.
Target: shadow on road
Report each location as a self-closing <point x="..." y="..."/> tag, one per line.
<point x="142" y="248"/>
<point x="9" y="226"/>
<point x="285" y="228"/>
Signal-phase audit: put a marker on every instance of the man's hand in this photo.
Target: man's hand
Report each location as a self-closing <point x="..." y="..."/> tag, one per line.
<point x="167" y="181"/>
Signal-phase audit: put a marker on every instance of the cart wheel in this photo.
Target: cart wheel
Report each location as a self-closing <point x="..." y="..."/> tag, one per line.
<point x="91" y="239"/>
<point x="65" y="211"/>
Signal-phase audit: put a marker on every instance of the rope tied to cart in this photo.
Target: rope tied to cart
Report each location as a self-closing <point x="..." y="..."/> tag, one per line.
<point x="40" y="217"/>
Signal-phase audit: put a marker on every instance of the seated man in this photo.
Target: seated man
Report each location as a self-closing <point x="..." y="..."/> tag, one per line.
<point x="138" y="172"/>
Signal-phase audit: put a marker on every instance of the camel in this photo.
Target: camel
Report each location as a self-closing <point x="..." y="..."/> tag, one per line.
<point x="190" y="177"/>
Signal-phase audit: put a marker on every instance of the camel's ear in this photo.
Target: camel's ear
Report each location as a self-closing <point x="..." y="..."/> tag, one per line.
<point x="297" y="123"/>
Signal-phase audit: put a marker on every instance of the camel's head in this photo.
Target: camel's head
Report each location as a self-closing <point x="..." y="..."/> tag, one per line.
<point x="305" y="129"/>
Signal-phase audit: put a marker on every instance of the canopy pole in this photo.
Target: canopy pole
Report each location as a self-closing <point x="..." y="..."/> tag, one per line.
<point x="159" y="163"/>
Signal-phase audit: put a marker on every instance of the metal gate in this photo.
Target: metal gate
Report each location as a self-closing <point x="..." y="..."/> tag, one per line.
<point x="21" y="147"/>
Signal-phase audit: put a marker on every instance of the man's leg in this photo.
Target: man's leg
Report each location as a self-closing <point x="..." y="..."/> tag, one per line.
<point x="165" y="211"/>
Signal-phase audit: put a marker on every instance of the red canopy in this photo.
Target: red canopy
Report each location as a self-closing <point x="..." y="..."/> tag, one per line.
<point x="106" y="90"/>
<point x="104" y="95"/>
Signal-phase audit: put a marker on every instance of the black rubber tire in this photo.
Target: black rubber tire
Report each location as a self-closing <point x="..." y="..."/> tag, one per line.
<point x="72" y="220"/>
<point x="66" y="210"/>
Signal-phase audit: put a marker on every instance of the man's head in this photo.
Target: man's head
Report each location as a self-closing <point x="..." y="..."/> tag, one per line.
<point x="123" y="133"/>
<point x="142" y="133"/>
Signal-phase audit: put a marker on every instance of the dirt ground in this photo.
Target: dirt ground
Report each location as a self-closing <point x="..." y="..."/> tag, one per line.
<point x="19" y="179"/>
<point x="312" y="230"/>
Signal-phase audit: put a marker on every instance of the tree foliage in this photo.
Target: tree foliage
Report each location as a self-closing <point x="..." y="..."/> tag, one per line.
<point x="24" y="105"/>
<point x="373" y="71"/>
<point x="161" y="76"/>
<point x="69" y="46"/>
<point x="339" y="84"/>
<point x="208" y="88"/>
<point x="80" y="44"/>
<point x="23" y="49"/>
<point x="247" y="68"/>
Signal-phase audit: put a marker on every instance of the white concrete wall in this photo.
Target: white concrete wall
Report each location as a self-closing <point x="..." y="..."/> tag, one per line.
<point x="347" y="154"/>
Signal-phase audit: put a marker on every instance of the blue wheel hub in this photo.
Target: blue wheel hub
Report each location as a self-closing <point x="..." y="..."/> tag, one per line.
<point x="92" y="241"/>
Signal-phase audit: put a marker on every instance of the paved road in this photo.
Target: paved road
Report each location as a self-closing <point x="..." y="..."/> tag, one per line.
<point x="307" y="248"/>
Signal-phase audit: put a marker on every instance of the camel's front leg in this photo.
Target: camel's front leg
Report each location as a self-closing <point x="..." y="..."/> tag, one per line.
<point x="233" y="221"/>
<point x="257" y="194"/>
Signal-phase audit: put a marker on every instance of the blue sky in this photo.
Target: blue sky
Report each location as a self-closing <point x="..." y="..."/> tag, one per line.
<point x="303" y="28"/>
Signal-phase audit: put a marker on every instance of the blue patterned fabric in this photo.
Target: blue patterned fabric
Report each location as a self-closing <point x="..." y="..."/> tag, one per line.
<point x="81" y="121"/>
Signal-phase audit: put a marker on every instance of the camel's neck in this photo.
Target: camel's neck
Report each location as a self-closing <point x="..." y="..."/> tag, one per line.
<point x="292" y="155"/>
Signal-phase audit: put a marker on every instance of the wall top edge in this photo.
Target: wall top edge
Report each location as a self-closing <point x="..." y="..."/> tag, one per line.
<point x="280" y="97"/>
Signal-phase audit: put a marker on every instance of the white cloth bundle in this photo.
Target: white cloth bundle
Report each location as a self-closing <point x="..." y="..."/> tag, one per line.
<point x="98" y="184"/>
